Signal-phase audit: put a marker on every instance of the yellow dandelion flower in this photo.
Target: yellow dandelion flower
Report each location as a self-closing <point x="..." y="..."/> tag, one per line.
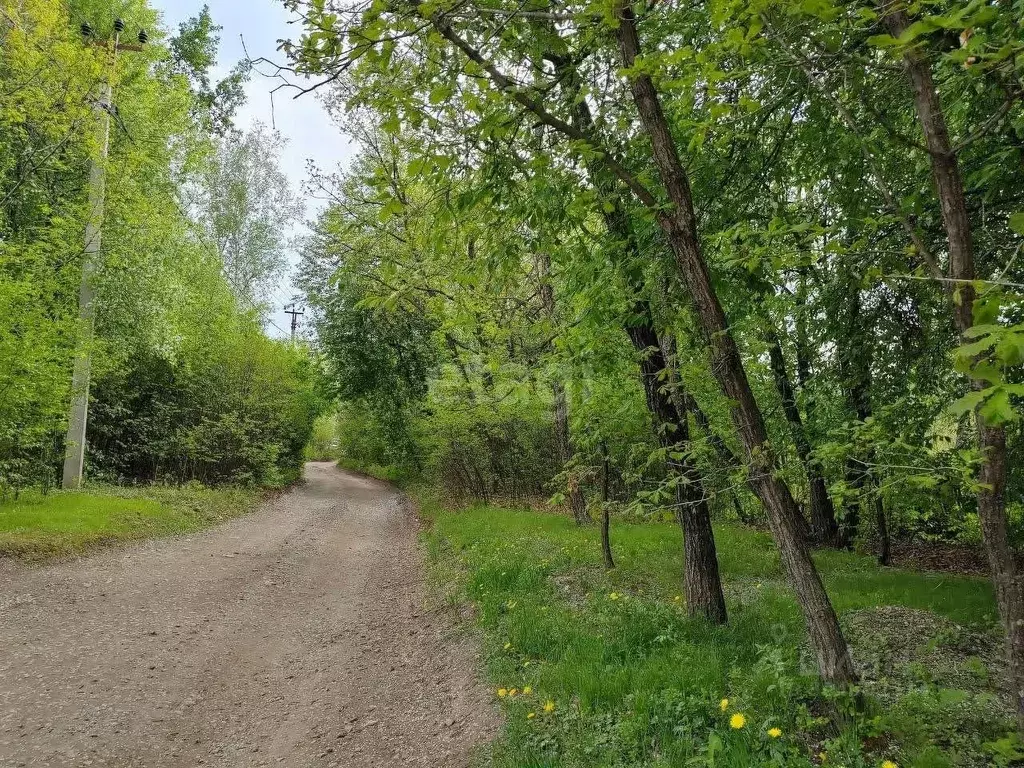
<point x="889" y="764"/>
<point x="512" y="692"/>
<point x="737" y="721"/>
<point x="613" y="596"/>
<point x="723" y="704"/>
<point x="774" y="732"/>
<point x="549" y="706"/>
<point x="502" y="693"/>
<point x="527" y="690"/>
<point x="530" y="715"/>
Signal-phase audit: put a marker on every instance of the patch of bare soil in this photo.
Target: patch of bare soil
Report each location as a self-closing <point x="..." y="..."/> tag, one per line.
<point x="899" y="649"/>
<point x="296" y="636"/>
<point x="967" y="559"/>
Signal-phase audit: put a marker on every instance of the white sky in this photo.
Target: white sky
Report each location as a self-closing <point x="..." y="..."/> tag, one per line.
<point x="303" y="122"/>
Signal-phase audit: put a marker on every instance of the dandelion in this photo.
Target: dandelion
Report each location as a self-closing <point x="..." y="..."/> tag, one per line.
<point x="549" y="706"/>
<point x="723" y="704"/>
<point x="530" y="715"/>
<point x="613" y="596"/>
<point x="774" y="732"/>
<point x="889" y="764"/>
<point x="527" y="690"/>
<point x="512" y="692"/>
<point x="502" y="693"/>
<point x="737" y="721"/>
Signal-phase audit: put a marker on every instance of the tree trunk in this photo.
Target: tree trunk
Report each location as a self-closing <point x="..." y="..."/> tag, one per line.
<point x="833" y="657"/>
<point x="563" y="438"/>
<point x="884" y="554"/>
<point x="680" y="227"/>
<point x="577" y="504"/>
<point x="606" y="543"/>
<point x="1009" y="583"/>
<point x="702" y="583"/>
<point x="823" y="515"/>
<point x="701" y="580"/>
<point x="685" y="403"/>
<point x="855" y="371"/>
<point x="828" y="522"/>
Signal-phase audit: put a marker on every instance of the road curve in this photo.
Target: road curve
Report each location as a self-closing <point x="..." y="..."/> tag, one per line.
<point x="294" y="636"/>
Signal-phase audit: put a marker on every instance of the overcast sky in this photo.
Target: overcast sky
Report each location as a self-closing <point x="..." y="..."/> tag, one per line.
<point x="303" y="122"/>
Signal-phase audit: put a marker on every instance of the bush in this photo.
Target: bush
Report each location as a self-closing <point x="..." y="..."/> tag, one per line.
<point x="236" y="410"/>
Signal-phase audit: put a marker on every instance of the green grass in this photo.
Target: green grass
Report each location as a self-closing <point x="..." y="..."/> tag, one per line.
<point x="40" y="527"/>
<point x="635" y="682"/>
<point x="389" y="473"/>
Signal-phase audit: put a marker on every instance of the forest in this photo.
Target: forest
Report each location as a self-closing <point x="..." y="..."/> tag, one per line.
<point x="743" y="266"/>
<point x="694" y="330"/>
<point x="185" y="385"/>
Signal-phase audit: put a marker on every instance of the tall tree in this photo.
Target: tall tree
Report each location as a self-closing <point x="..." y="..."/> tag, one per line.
<point x="949" y="187"/>
<point x="247" y="207"/>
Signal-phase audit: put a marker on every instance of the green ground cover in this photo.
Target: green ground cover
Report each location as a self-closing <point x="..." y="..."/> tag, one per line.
<point x="595" y="668"/>
<point x="36" y="526"/>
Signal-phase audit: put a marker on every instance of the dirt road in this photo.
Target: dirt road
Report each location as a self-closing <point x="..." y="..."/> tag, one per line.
<point x="296" y="636"/>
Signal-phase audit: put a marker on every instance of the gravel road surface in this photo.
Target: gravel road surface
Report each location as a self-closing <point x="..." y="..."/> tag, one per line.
<point x="296" y="636"/>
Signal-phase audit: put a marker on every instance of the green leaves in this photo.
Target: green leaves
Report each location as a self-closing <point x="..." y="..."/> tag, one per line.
<point x="993" y="404"/>
<point x="1016" y="222"/>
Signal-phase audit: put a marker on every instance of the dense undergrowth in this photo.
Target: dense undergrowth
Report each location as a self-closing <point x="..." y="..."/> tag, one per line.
<point x="38" y="527"/>
<point x="184" y="382"/>
<point x="603" y="668"/>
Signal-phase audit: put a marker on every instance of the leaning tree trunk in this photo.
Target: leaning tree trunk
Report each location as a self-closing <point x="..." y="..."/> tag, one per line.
<point x="702" y="584"/>
<point x="823" y="515"/>
<point x="1008" y="581"/>
<point x="680" y="228"/>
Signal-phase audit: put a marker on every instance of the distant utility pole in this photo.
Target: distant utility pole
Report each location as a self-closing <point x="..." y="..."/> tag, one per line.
<point x="74" y="445"/>
<point x="291" y="310"/>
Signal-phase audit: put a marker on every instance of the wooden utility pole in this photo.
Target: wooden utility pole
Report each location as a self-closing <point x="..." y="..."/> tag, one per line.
<point x="74" y="450"/>
<point x="291" y="310"/>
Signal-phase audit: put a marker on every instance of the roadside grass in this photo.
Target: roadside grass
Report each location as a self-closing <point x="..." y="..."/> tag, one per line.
<point x="40" y="527"/>
<point x="388" y="474"/>
<point x="595" y="668"/>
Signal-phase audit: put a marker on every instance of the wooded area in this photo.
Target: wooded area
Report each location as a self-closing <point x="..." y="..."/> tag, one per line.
<point x="741" y="267"/>
<point x="185" y="384"/>
<point x="750" y="261"/>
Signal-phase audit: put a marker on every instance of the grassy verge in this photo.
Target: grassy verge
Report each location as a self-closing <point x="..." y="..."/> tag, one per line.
<point x="38" y="527"/>
<point x="389" y="474"/>
<point x="596" y="668"/>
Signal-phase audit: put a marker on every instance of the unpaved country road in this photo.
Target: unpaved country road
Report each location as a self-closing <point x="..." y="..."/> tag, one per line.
<point x="295" y="636"/>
